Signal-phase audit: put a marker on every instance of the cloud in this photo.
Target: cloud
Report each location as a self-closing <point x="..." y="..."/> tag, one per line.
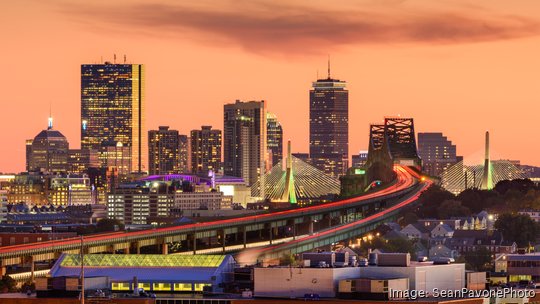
<point x="270" y="28"/>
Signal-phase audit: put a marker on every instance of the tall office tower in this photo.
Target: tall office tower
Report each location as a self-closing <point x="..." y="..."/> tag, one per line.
<point x="244" y="135"/>
<point x="163" y="146"/>
<point x="329" y="125"/>
<point x="274" y="134"/>
<point x="437" y="153"/>
<point x="112" y="109"/>
<point x="184" y="153"/>
<point x="28" y="153"/>
<point x="49" y="151"/>
<point x="205" y="150"/>
<point x="79" y="160"/>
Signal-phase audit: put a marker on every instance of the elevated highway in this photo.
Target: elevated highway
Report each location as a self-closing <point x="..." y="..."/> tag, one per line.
<point x="345" y="214"/>
<point x="338" y="233"/>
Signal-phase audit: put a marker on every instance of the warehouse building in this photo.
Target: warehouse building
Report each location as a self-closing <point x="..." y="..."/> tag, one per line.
<point x="152" y="272"/>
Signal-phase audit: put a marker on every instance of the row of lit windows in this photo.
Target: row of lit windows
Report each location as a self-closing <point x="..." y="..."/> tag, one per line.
<point x="124" y="286"/>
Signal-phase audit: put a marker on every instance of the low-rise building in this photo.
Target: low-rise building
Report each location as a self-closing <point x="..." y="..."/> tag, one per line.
<point x="442" y="230"/>
<point x="286" y="282"/>
<point x="152" y="272"/>
<point x="415" y="231"/>
<point x="532" y="213"/>
<point x="519" y="267"/>
<point x="211" y="200"/>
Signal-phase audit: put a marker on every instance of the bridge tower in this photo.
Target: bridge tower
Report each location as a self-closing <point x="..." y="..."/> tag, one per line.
<point x="379" y="165"/>
<point x="402" y="141"/>
<point x="289" y="193"/>
<point x="487" y="178"/>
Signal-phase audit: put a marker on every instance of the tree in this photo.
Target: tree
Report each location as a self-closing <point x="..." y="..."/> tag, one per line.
<point x="287" y="259"/>
<point x="517" y="228"/>
<point x="479" y="260"/>
<point x="450" y="208"/>
<point x="408" y="218"/>
<point x="393" y="245"/>
<point x="107" y="224"/>
<point x="7" y="284"/>
<point x="431" y="199"/>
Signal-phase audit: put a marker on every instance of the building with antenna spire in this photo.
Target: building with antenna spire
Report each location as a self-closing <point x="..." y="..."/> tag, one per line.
<point x="112" y="110"/>
<point x="48" y="151"/>
<point x="329" y="125"/>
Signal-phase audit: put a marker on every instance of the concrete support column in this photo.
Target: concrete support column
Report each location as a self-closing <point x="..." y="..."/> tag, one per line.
<point x="294" y="231"/>
<point x="164" y="248"/>
<point x="271" y="233"/>
<point x="310" y="227"/>
<point x="194" y="244"/>
<point x="244" y="232"/>
<point x="126" y="250"/>
<point x="32" y="269"/>
<point x="138" y="248"/>
<point x="3" y="271"/>
<point x="223" y="238"/>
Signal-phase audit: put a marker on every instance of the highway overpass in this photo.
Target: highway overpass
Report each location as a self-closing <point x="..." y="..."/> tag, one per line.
<point x="345" y="214"/>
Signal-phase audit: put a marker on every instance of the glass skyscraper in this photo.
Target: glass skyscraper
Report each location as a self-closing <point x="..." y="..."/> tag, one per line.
<point x="163" y="151"/>
<point x="244" y="133"/>
<point x="112" y="109"/>
<point x="329" y="126"/>
<point x="274" y="133"/>
<point x="205" y="150"/>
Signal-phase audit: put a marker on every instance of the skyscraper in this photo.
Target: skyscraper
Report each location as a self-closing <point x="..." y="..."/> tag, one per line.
<point x="329" y="125"/>
<point x="244" y="132"/>
<point x="79" y="160"/>
<point x="112" y="109"/>
<point x="49" y="152"/>
<point x="205" y="150"/>
<point x="437" y="153"/>
<point x="28" y="153"/>
<point x="274" y="138"/>
<point x="163" y="151"/>
<point x="184" y="153"/>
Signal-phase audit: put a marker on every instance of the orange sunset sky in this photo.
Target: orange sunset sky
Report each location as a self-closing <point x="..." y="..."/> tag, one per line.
<point x="460" y="67"/>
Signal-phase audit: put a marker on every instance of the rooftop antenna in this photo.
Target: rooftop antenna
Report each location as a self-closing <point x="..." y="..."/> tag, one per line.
<point x="114" y="58"/>
<point x="50" y="121"/>
<point x="328" y="66"/>
<point x="317" y="74"/>
<point x="124" y="58"/>
<point x="101" y="59"/>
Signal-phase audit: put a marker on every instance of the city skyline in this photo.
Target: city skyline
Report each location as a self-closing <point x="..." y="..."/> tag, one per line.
<point x="460" y="87"/>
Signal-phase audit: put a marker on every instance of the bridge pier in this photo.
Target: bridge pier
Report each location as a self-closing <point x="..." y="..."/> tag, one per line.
<point x="223" y="237"/>
<point x="164" y="248"/>
<point x="244" y="232"/>
<point x="137" y="248"/>
<point x="32" y="269"/>
<point x="310" y="227"/>
<point x="271" y="233"/>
